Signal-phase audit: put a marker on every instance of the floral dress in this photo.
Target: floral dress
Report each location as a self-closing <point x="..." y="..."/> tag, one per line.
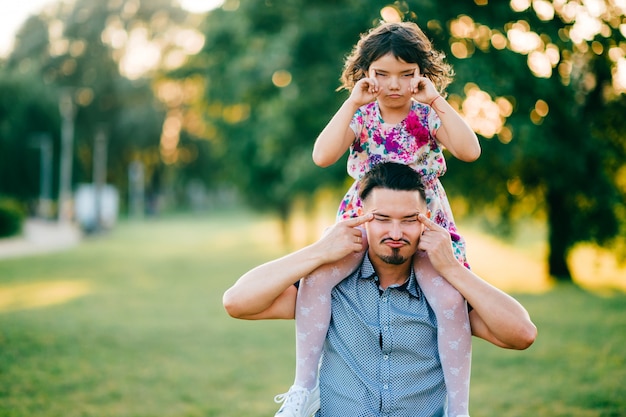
<point x="411" y="142"/>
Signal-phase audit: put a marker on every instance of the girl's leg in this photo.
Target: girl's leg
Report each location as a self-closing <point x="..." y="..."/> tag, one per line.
<point x="454" y="333"/>
<point x="313" y="315"/>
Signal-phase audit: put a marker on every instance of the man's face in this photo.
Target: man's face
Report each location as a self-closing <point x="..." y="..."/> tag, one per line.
<point x="395" y="231"/>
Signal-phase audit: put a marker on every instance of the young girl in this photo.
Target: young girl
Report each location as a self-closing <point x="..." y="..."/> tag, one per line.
<point x="394" y="113"/>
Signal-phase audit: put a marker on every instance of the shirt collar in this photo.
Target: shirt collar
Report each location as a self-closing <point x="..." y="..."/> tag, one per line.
<point x="367" y="272"/>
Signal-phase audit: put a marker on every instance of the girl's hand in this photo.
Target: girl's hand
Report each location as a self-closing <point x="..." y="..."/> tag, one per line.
<point x="423" y="89"/>
<point x="365" y="90"/>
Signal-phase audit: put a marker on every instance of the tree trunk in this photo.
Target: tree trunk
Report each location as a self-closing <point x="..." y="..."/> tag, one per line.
<point x="559" y="230"/>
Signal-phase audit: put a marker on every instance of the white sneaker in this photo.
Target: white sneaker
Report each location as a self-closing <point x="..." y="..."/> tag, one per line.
<point x="298" y="402"/>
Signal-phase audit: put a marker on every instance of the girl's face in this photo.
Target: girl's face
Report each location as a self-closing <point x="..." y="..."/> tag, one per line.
<point x="394" y="78"/>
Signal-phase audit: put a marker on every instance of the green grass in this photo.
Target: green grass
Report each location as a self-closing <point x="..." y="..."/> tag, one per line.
<point x="130" y="323"/>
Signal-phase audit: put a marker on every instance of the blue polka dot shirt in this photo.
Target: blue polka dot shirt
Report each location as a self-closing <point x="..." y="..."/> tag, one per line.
<point x="380" y="356"/>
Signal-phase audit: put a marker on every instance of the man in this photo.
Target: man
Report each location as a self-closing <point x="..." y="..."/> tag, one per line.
<point x="381" y="356"/>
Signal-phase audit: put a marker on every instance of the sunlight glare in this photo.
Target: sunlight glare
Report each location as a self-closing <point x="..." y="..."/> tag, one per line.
<point x="141" y="54"/>
<point x="281" y="78"/>
<point x="619" y="76"/>
<point x="170" y="136"/>
<point x="539" y="64"/>
<point x="522" y="40"/>
<point x="390" y="14"/>
<point x="544" y="10"/>
<point x="498" y="40"/>
<point x="585" y="27"/>
<point x="200" y="6"/>
<point x="15" y="297"/>
<point x="191" y="41"/>
<point x="485" y="116"/>
<point x="553" y="54"/>
<point x="463" y="27"/>
<point x="542" y="108"/>
<point x="595" y="8"/>
<point x="520" y="5"/>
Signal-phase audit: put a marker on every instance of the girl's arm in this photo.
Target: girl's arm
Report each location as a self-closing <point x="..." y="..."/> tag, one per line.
<point x="337" y="136"/>
<point x="455" y="134"/>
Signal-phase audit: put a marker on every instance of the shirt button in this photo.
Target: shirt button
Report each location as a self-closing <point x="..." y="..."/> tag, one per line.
<point x="384" y="299"/>
<point x="386" y="357"/>
<point x="385" y="328"/>
<point x="385" y="386"/>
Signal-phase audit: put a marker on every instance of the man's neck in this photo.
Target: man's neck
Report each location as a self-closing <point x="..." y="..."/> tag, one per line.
<point x="390" y="274"/>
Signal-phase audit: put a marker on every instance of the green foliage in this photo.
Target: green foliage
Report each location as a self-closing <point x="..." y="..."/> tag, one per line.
<point x="28" y="108"/>
<point x="564" y="163"/>
<point x="269" y="142"/>
<point x="11" y="217"/>
<point x="84" y="61"/>
<point x="131" y="324"/>
<point x="561" y="165"/>
<point x="566" y="166"/>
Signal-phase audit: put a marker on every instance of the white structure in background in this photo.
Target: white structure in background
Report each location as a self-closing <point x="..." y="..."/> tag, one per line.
<point x="87" y="212"/>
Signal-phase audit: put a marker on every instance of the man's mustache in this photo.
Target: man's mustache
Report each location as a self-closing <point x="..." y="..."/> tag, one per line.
<point x="394" y="240"/>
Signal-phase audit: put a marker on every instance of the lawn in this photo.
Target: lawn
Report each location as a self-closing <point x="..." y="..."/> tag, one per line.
<point x="130" y="323"/>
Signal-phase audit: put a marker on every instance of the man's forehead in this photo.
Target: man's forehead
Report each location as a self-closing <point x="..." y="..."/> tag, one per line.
<point x="385" y="199"/>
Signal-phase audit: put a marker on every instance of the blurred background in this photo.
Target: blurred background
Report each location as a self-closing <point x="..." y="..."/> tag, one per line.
<point x="170" y="143"/>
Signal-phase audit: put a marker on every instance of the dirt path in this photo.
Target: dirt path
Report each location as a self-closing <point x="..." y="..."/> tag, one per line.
<point x="40" y="236"/>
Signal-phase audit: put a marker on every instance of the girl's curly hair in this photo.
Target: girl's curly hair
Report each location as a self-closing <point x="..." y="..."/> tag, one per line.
<point x="406" y="41"/>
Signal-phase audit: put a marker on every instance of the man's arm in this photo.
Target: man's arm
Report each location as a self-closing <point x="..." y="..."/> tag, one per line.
<point x="267" y="291"/>
<point x="496" y="316"/>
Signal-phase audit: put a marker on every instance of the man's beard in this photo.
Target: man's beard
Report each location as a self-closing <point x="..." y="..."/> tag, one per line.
<point x="395" y="258"/>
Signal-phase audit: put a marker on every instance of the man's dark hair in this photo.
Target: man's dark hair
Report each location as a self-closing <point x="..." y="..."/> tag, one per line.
<point x="392" y="176"/>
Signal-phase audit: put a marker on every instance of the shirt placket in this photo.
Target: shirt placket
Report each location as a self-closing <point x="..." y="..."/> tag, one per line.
<point x="384" y="314"/>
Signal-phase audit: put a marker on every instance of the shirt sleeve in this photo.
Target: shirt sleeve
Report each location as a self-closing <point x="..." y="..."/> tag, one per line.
<point x="356" y="124"/>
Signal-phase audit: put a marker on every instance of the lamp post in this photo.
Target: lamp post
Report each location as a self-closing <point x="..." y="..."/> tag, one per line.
<point x="68" y="111"/>
<point x="43" y="141"/>
<point x="99" y="173"/>
<point x="136" y="189"/>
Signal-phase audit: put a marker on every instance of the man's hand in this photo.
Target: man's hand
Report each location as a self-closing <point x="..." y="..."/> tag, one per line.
<point x="343" y="238"/>
<point x="436" y="242"/>
<point x="267" y="291"/>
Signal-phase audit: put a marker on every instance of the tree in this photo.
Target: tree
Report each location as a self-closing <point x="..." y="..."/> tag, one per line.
<point x="544" y="95"/>
<point x="271" y="69"/>
<point x="558" y="90"/>
<point x="28" y="108"/>
<point x="106" y="55"/>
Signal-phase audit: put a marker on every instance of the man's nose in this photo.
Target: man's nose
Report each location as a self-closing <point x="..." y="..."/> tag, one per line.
<point x="395" y="232"/>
